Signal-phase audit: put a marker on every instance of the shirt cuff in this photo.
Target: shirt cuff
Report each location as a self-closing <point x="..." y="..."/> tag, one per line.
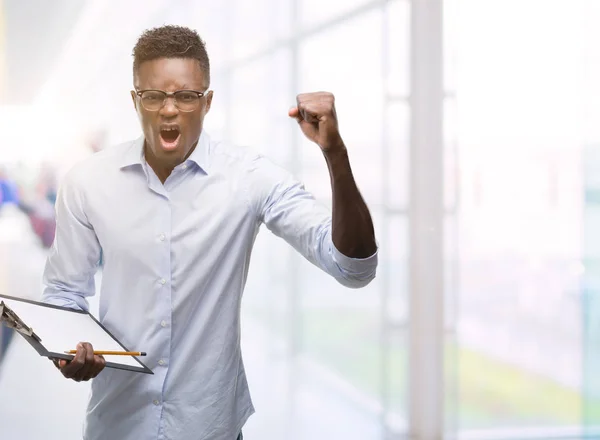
<point x="355" y="265"/>
<point x="61" y="301"/>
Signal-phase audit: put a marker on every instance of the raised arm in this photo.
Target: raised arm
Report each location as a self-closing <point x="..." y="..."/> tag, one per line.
<point x="342" y="242"/>
<point x="353" y="232"/>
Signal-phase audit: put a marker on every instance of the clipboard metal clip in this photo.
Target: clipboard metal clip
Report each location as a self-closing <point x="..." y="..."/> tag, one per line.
<point x="11" y="320"/>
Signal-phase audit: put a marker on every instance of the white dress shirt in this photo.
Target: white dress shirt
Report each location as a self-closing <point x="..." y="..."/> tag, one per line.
<point x="176" y="258"/>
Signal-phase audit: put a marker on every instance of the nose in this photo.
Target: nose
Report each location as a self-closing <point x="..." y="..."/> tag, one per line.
<point x="169" y="108"/>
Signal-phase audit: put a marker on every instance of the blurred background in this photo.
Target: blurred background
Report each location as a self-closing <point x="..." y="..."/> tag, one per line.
<point x="472" y="127"/>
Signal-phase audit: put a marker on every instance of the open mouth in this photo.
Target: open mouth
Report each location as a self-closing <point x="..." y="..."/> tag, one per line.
<point x="169" y="137"/>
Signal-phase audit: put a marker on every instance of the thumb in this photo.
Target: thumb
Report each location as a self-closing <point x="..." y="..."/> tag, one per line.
<point x="293" y="112"/>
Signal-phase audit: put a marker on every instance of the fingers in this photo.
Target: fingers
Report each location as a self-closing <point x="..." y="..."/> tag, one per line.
<point x="303" y="113"/>
<point x="88" y="363"/>
<point x="308" y="111"/>
<point x="72" y="367"/>
<point x="313" y="107"/>
<point x="99" y="364"/>
<point x="293" y="112"/>
<point x="84" y="365"/>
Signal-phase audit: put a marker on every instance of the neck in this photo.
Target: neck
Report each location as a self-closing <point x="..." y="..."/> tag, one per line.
<point x="161" y="169"/>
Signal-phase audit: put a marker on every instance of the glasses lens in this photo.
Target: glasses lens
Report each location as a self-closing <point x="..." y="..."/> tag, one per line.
<point x="187" y="101"/>
<point x="153" y="100"/>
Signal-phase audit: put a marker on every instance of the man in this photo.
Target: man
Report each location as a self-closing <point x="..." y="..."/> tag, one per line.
<point x="175" y="215"/>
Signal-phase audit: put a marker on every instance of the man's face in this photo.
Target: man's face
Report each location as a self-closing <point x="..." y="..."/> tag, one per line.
<point x="171" y="134"/>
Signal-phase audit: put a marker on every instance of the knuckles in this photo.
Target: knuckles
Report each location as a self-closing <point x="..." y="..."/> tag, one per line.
<point x="326" y="98"/>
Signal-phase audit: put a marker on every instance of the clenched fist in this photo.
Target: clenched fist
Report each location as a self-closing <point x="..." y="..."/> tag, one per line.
<point x="315" y="113"/>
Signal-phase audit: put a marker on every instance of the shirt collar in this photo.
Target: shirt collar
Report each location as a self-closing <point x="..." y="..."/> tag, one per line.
<point x="134" y="155"/>
<point x="200" y="154"/>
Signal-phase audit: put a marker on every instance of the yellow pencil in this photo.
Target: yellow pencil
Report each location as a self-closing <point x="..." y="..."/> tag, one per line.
<point x="113" y="353"/>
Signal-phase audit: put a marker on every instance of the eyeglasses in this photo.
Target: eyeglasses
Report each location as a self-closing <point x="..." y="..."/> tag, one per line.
<point x="184" y="100"/>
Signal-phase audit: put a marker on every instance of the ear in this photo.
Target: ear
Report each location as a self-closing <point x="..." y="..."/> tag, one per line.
<point x="209" y="97"/>
<point x="133" y="96"/>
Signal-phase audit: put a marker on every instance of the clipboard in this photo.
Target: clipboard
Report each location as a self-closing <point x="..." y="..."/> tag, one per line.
<point x="51" y="330"/>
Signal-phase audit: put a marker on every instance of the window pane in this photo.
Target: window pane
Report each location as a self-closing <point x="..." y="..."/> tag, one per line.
<point x="257" y="25"/>
<point x="589" y="289"/>
<point x="394" y="268"/>
<point x="451" y="15"/>
<point x="591" y="114"/>
<point x="451" y="156"/>
<point x="354" y="336"/>
<point x="258" y="106"/>
<point x="396" y="156"/>
<point x="393" y="272"/>
<point x="397" y="20"/>
<point x="397" y="384"/>
<point x="314" y="12"/>
<point x="520" y="224"/>
<point x="329" y="62"/>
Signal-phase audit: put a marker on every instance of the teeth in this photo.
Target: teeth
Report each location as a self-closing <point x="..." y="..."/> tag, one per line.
<point x="169" y="129"/>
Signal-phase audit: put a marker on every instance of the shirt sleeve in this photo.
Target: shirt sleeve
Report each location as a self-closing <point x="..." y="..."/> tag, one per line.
<point x="75" y="254"/>
<point x="292" y="213"/>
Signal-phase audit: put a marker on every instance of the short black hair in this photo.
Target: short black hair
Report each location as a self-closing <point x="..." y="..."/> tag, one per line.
<point x="171" y="42"/>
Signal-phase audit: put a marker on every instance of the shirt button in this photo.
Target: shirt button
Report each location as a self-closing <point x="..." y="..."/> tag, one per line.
<point x="163" y="281"/>
<point x="163" y="323"/>
<point x="161" y="237"/>
<point x="184" y="167"/>
<point x="155" y="402"/>
<point x="161" y="362"/>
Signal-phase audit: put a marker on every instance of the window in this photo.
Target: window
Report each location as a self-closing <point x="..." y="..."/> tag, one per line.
<point x="519" y="354"/>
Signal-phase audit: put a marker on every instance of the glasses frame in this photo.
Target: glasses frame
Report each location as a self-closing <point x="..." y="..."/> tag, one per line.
<point x="170" y="95"/>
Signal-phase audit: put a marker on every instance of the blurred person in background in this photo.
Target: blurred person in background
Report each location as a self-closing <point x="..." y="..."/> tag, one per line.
<point x="40" y="207"/>
<point x="175" y="215"/>
<point x="9" y="196"/>
<point x="8" y="189"/>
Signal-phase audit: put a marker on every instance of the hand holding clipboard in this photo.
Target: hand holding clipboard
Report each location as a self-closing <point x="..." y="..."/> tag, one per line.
<point x="51" y="330"/>
<point x="87" y="362"/>
<point x="84" y="366"/>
